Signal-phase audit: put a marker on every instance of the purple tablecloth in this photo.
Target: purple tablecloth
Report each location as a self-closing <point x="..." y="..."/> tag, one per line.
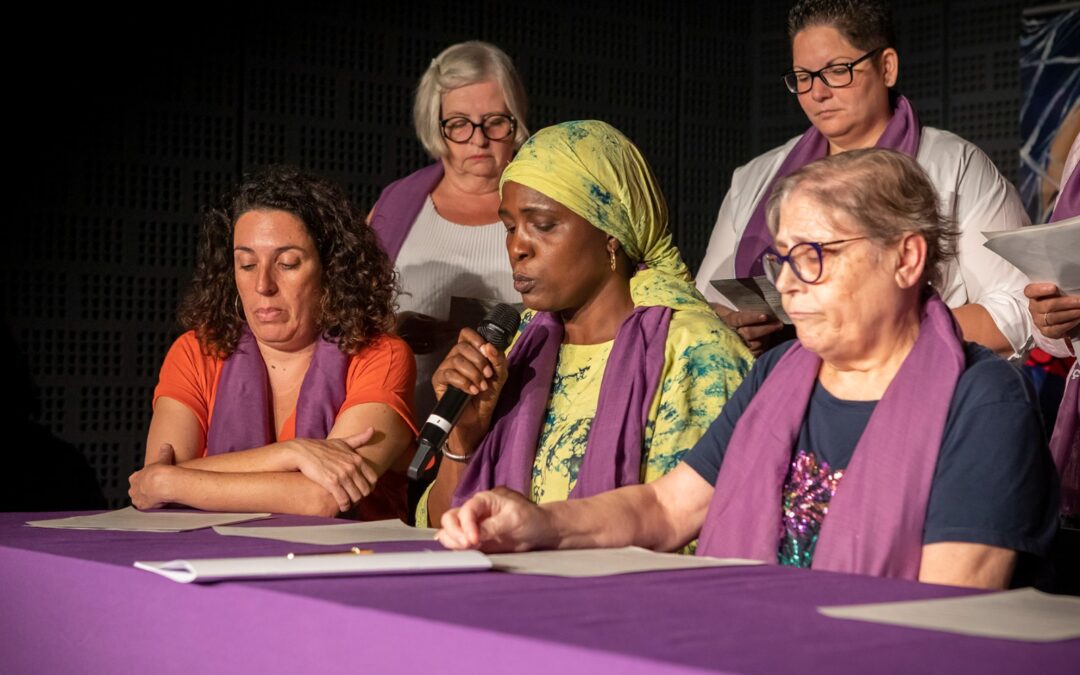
<point x="72" y="602"/>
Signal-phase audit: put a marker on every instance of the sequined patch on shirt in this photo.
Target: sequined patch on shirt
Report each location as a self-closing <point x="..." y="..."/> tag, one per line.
<point x="809" y="487"/>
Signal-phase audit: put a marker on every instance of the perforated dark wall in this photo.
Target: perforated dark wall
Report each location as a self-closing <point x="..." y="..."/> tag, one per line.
<point x="149" y="121"/>
<point x="959" y="65"/>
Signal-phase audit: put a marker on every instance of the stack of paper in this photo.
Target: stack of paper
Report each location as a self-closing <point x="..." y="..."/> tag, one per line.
<point x="1024" y="614"/>
<point x="602" y="562"/>
<point x="131" y="520"/>
<point x="1043" y="252"/>
<point x="335" y="535"/>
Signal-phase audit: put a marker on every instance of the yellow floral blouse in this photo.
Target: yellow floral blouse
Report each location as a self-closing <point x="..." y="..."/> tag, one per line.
<point x="704" y="363"/>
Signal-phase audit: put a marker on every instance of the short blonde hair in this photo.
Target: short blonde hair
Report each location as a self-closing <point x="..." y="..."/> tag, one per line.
<point x="885" y="192"/>
<point x="458" y="66"/>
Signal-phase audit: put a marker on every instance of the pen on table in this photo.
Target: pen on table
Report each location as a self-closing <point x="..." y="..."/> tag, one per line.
<point x="352" y="551"/>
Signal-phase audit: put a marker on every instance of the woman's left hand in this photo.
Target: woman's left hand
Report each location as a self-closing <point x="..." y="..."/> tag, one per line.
<point x="147" y="489"/>
<point x="1055" y="315"/>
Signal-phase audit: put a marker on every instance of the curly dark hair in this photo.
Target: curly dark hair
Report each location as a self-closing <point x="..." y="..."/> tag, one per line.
<point x="866" y="24"/>
<point x="359" y="284"/>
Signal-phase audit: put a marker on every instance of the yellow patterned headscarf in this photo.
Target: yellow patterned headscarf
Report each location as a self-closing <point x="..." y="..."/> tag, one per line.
<point x="592" y="169"/>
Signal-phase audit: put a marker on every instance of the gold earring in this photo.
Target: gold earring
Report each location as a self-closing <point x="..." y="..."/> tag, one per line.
<point x="238" y="308"/>
<point x="611" y="253"/>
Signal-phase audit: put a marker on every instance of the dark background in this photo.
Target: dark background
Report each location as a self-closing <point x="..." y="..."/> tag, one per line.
<point x="125" y="126"/>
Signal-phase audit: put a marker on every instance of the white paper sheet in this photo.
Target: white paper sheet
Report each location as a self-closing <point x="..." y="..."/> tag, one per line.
<point x="1043" y="252"/>
<point x="344" y="564"/>
<point x="335" y="535"/>
<point x="602" y="562"/>
<point x="1024" y="614"/>
<point x="132" y="520"/>
<point x="753" y="294"/>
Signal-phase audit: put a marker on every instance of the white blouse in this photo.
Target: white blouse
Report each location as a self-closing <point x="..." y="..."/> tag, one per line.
<point x="973" y="193"/>
<point x="440" y="260"/>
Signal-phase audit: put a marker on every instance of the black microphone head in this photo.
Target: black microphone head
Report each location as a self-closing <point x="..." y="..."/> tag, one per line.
<point x="499" y="325"/>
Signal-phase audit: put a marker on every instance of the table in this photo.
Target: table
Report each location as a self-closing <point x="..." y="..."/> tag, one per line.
<point x="72" y="602"/>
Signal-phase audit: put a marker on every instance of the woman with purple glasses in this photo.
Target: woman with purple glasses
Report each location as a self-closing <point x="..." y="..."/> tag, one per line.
<point x="880" y="442"/>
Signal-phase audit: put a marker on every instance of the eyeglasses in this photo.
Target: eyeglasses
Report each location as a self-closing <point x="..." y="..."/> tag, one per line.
<point x="804" y="258"/>
<point x="835" y="76"/>
<point x="496" y="127"/>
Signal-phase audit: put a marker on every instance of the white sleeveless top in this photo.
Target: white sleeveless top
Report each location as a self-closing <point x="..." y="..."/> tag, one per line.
<point x="440" y="260"/>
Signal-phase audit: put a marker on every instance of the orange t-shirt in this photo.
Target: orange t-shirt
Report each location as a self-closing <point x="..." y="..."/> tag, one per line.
<point x="384" y="372"/>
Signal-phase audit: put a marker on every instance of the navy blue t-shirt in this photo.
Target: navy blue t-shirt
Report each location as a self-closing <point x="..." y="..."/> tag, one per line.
<point x="995" y="481"/>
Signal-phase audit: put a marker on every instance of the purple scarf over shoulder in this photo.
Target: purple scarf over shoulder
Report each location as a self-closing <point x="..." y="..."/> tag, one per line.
<point x="613" y="454"/>
<point x="1065" y="443"/>
<point x="875" y="520"/>
<point x="399" y="204"/>
<point x="242" y="416"/>
<point x="902" y="133"/>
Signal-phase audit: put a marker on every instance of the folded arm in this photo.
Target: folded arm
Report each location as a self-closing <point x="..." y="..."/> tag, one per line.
<point x="278" y="492"/>
<point x="322" y="476"/>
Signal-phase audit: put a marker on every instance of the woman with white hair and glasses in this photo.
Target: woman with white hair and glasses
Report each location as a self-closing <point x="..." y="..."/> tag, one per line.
<point x="844" y="70"/>
<point x="880" y="442"/>
<point x="440" y="224"/>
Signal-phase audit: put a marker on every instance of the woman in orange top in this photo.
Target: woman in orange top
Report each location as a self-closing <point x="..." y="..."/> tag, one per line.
<point x="286" y="394"/>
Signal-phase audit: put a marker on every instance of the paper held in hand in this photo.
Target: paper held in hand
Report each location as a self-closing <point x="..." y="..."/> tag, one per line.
<point x="1042" y="252"/>
<point x="752" y="294"/>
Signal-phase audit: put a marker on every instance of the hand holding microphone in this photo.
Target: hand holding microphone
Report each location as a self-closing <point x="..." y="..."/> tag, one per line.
<point x="467" y="383"/>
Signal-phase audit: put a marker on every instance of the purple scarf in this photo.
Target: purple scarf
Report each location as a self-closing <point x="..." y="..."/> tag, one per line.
<point x="399" y="204"/>
<point x="1065" y="443"/>
<point x="613" y="454"/>
<point x="902" y="133"/>
<point x="1068" y="199"/>
<point x="876" y="518"/>
<point x="242" y="417"/>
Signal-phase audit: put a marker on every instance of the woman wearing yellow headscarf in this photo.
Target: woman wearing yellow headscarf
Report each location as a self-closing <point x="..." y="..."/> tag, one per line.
<point x="619" y="365"/>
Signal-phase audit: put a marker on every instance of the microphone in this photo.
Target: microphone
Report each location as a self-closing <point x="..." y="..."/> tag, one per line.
<point x="497" y="328"/>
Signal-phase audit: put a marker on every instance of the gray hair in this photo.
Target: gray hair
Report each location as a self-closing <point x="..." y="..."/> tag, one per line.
<point x="866" y="24"/>
<point x="458" y="66"/>
<point x="886" y="194"/>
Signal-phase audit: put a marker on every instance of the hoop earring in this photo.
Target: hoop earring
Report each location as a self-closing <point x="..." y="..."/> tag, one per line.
<point x="238" y="309"/>
<point x="611" y="255"/>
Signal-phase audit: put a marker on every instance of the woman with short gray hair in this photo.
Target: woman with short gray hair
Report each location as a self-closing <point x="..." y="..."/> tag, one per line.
<point x="885" y="191"/>
<point x="440" y="224"/>
<point x="458" y="66"/>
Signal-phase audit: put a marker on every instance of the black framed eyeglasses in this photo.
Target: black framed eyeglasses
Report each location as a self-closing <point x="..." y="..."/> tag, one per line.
<point x="834" y="76"/>
<point x="497" y="127"/>
<point x="805" y="259"/>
